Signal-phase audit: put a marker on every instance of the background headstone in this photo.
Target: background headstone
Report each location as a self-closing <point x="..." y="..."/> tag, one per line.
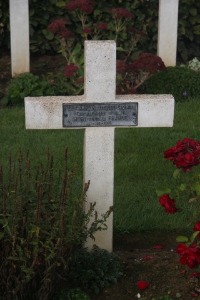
<point x="167" y="31"/>
<point x="19" y="35"/>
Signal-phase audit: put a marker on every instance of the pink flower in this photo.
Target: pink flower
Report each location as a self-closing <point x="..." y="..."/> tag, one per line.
<point x="58" y="27"/>
<point x="72" y="5"/>
<point x="102" y="26"/>
<point x="142" y="285"/>
<point x="147" y="62"/>
<point x="120" y="13"/>
<point x="85" y="6"/>
<point x="70" y="70"/>
<point x="87" y="30"/>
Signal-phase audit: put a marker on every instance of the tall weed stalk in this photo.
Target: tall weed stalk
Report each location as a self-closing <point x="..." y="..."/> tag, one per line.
<point x="41" y="223"/>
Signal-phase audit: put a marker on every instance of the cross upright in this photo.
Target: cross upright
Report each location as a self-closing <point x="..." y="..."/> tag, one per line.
<point x="99" y="121"/>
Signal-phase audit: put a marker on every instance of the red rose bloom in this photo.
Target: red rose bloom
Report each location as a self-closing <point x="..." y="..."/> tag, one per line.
<point x="142" y="285"/>
<point x="70" y="70"/>
<point x="168" y="204"/>
<point x="197" y="226"/>
<point x="185" y="154"/>
<point x="190" y="255"/>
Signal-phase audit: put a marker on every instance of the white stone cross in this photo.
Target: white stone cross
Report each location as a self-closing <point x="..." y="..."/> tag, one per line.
<point x="100" y="86"/>
<point x="167" y="31"/>
<point x="19" y="35"/>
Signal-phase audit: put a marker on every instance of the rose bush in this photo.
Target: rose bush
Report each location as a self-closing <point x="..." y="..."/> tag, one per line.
<point x="185" y="155"/>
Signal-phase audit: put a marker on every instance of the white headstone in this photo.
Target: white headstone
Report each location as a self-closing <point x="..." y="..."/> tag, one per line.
<point x="167" y="31"/>
<point x="100" y="86"/>
<point x="19" y="34"/>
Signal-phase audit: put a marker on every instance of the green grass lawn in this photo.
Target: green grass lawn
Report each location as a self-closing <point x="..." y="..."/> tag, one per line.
<point x="140" y="168"/>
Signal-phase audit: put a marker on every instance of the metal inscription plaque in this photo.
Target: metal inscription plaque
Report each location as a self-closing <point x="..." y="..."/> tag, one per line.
<point x="100" y="114"/>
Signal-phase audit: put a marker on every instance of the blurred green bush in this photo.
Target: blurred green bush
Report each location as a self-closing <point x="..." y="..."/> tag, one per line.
<point x="182" y="82"/>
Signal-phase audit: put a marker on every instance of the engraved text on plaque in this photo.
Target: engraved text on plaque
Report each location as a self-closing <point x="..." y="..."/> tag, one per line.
<point x="100" y="114"/>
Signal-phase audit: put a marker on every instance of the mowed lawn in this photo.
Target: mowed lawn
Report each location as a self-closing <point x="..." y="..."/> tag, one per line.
<point x="140" y="168"/>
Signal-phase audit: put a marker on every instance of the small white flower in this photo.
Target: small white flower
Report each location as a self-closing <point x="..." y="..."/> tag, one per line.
<point x="138" y="296"/>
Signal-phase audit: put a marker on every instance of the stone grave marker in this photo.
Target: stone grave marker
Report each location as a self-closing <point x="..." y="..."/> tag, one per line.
<point x="19" y="35"/>
<point x="167" y="31"/>
<point x="99" y="111"/>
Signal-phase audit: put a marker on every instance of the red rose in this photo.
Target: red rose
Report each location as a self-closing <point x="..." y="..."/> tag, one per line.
<point x="185" y="154"/>
<point x="197" y="226"/>
<point x="168" y="204"/>
<point x="190" y="255"/>
<point x="142" y="285"/>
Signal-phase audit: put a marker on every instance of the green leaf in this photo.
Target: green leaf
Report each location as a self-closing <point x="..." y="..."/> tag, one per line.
<point x="196" y="188"/>
<point x="182" y="187"/>
<point x="194" y="235"/>
<point x="61" y="3"/>
<point x="1" y="235"/>
<point x="162" y="192"/>
<point x="176" y="173"/>
<point x="121" y="49"/>
<point x="182" y="239"/>
<point x="193" y="11"/>
<point x="48" y="35"/>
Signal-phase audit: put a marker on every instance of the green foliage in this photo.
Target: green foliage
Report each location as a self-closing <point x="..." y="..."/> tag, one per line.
<point x="41" y="12"/>
<point x="27" y="84"/>
<point x="74" y="294"/>
<point x="182" y="83"/>
<point x="24" y="85"/>
<point x="189" y="29"/>
<point x="95" y="270"/>
<point x="71" y="294"/>
<point x="41" y="223"/>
